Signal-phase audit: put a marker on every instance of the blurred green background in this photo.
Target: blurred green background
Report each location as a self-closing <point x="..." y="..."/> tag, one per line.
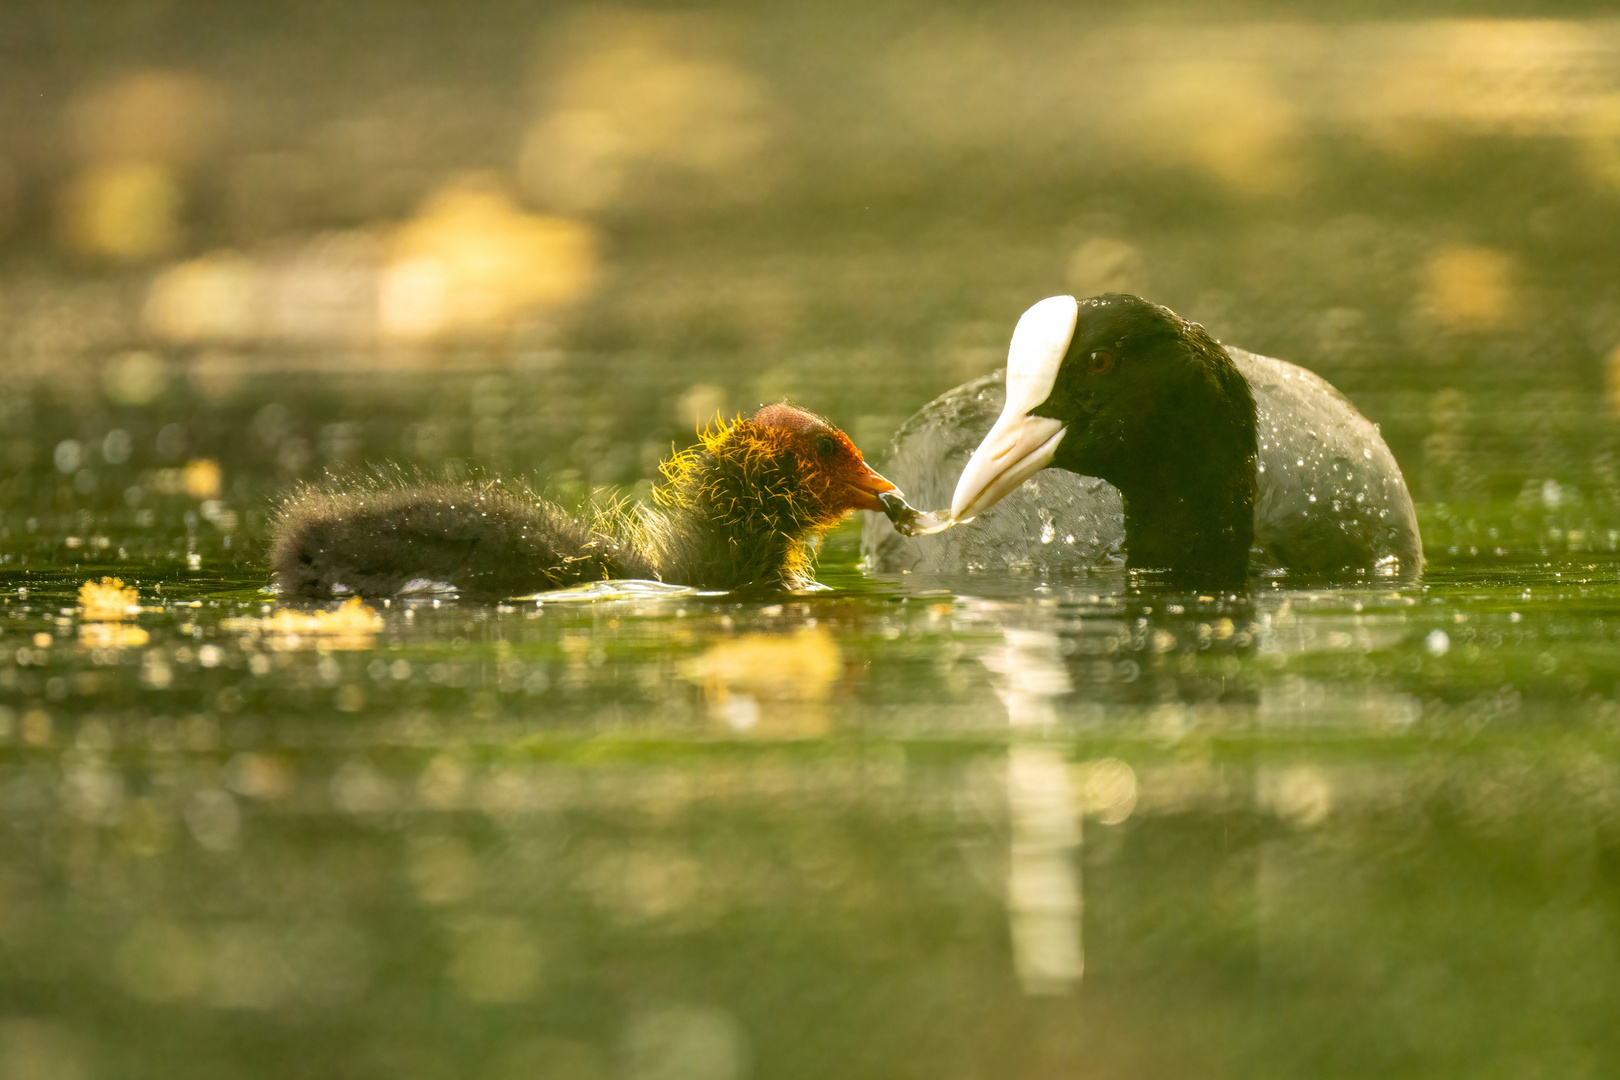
<point x="568" y="234"/>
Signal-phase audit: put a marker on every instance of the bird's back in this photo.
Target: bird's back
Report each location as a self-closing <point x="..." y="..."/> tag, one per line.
<point x="1329" y="493"/>
<point x="483" y="540"/>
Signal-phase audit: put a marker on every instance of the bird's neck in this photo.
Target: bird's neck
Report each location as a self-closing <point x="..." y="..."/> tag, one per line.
<point x="1203" y="532"/>
<point x="724" y="526"/>
<point x="1189" y="498"/>
<point x="698" y="547"/>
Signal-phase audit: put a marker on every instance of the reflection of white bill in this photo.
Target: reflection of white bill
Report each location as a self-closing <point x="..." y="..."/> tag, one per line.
<point x="1044" y="898"/>
<point x="1043" y="873"/>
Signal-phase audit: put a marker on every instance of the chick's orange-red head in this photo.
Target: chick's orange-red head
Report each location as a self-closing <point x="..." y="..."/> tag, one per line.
<point x="835" y="477"/>
<point x="781" y="471"/>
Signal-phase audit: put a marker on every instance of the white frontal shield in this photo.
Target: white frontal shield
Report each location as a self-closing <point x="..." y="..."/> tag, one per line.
<point x="1020" y="445"/>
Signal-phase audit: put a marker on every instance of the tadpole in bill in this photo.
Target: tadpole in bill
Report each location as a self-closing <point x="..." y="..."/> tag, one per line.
<point x="908" y="520"/>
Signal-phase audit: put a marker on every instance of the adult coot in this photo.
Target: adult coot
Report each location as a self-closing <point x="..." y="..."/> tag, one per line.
<point x="733" y="512"/>
<point x="1171" y="452"/>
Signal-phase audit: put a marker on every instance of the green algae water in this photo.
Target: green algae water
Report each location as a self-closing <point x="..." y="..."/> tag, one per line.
<point x="994" y="825"/>
<point x="886" y="830"/>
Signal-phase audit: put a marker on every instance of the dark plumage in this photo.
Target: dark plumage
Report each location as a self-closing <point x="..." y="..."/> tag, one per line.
<point x="486" y="539"/>
<point x="1214" y="458"/>
<point x="734" y="512"/>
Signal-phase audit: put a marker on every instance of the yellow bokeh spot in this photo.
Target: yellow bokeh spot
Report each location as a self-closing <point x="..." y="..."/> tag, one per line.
<point x="108" y="600"/>
<point x="132" y="138"/>
<point x="122" y="211"/>
<point x="473" y="263"/>
<point x="1469" y="288"/>
<point x="770" y="683"/>
<point x="803" y="666"/>
<point x="158" y="116"/>
<point x="212" y="298"/>
<point x="1429" y="80"/>
<point x="1225" y="119"/>
<point x="201" y="478"/>
<point x="135" y="378"/>
<point x="638" y="99"/>
<point x="1601" y="142"/>
<point x="321" y="289"/>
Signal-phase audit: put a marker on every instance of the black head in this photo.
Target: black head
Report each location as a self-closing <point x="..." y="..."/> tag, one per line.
<point x="1139" y="383"/>
<point x="1116" y="387"/>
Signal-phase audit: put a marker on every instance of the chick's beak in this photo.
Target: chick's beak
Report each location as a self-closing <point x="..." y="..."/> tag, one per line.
<point x="865" y="487"/>
<point x="1018" y="447"/>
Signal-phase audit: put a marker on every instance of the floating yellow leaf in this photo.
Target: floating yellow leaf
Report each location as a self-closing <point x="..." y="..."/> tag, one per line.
<point x="352" y="616"/>
<point x="109" y="599"/>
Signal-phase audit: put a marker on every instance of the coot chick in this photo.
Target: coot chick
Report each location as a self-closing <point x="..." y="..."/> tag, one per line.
<point x="736" y="511"/>
<point x="1216" y="460"/>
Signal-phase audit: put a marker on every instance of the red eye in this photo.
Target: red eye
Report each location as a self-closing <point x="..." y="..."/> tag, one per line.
<point x="1100" y="362"/>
